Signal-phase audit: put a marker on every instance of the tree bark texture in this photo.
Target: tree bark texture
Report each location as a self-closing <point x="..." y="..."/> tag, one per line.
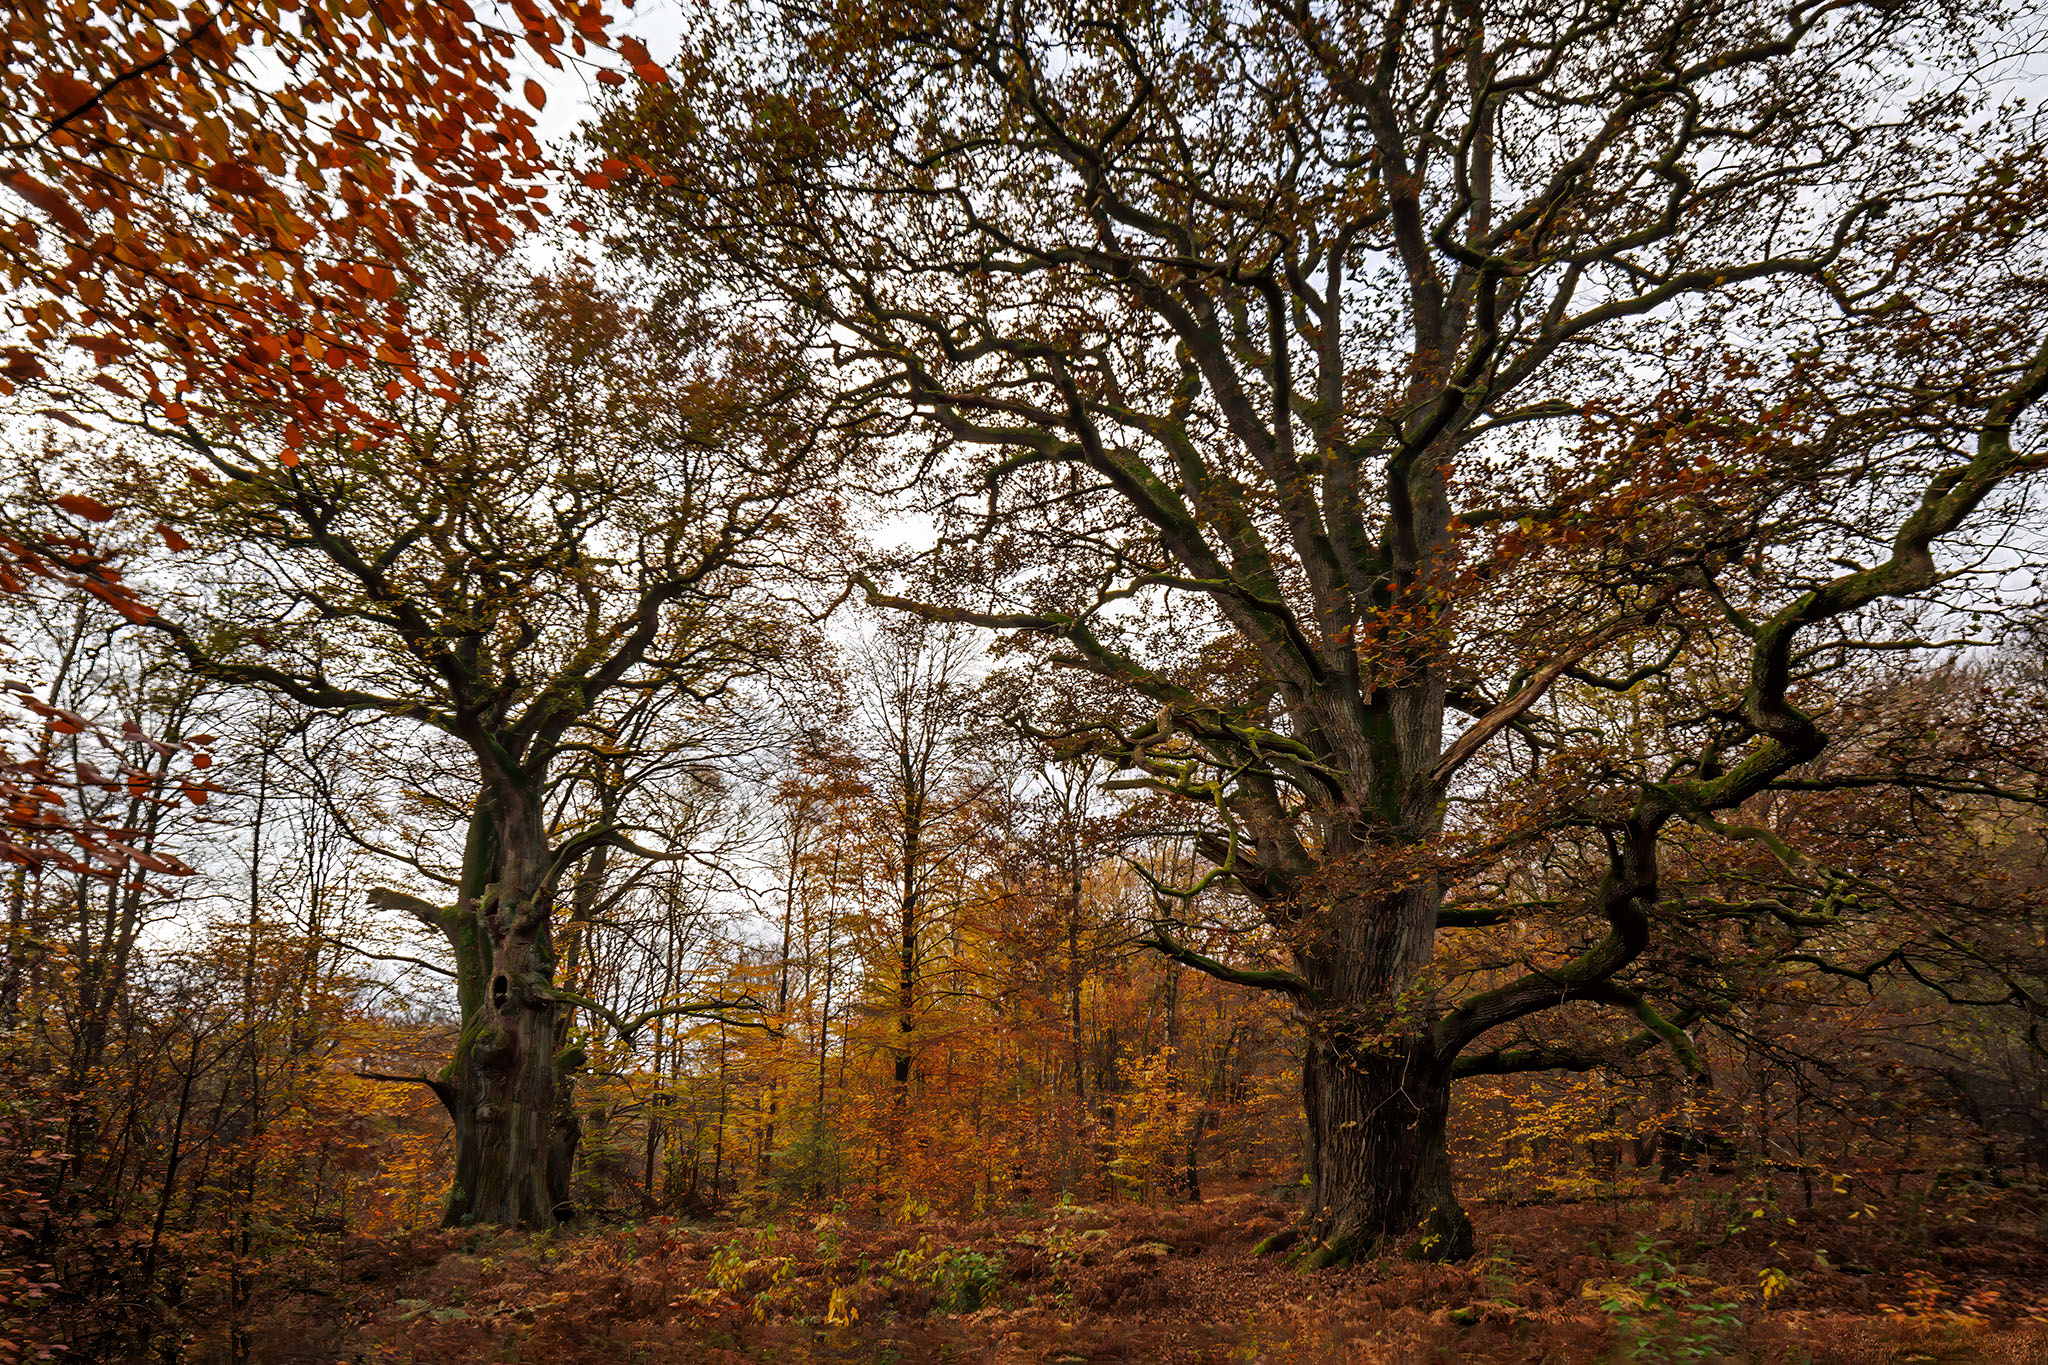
<point x="1375" y="1092"/>
<point x="1379" y="1163"/>
<point x="510" y="1085"/>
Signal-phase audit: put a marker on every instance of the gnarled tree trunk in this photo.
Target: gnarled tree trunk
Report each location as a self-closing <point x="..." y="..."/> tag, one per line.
<point x="1379" y="1163"/>
<point x="1375" y="1091"/>
<point x="513" y="1101"/>
<point x="510" y="1084"/>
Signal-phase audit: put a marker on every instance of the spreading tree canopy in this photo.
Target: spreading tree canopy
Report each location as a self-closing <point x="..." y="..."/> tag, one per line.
<point x="1359" y="393"/>
<point x="583" y="530"/>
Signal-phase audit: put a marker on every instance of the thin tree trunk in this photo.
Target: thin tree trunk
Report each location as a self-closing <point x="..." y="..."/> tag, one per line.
<point x="1074" y="986"/>
<point x="243" y="1199"/>
<point x="781" y="1016"/>
<point x="718" y="1137"/>
<point x="906" y="961"/>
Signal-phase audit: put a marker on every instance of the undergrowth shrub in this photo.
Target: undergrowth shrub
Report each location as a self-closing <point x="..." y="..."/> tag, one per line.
<point x="1663" y="1316"/>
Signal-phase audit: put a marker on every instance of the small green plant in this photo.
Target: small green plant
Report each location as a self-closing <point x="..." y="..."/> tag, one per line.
<point x="1498" y="1272"/>
<point x="1063" y="1250"/>
<point x="727" y="1265"/>
<point x="1063" y="1244"/>
<point x="829" y="1227"/>
<point x="1426" y="1238"/>
<point x="1663" y="1316"/>
<point x="962" y="1280"/>
<point x="757" y="1281"/>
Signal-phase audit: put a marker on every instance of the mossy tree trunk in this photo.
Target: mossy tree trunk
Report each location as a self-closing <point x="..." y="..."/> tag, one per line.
<point x="510" y="1083"/>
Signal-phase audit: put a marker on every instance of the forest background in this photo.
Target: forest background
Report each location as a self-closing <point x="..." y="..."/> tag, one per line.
<point x="618" y="684"/>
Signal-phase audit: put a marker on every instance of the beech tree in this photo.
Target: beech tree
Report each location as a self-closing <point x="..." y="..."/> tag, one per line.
<point x="209" y="209"/>
<point x="579" y="525"/>
<point x="1349" y="388"/>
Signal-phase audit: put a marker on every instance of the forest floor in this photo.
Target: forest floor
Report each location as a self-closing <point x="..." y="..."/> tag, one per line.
<point x="1703" y="1271"/>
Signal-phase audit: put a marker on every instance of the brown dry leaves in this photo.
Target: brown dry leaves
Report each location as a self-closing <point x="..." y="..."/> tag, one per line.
<point x="1129" y="1284"/>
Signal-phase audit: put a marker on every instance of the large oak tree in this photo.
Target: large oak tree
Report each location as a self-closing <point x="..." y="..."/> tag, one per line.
<point x="1351" y="388"/>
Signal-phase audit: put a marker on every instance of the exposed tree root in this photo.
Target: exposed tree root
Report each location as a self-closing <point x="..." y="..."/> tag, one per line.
<point x="1333" y="1255"/>
<point x="1444" y="1236"/>
<point x="1278" y="1242"/>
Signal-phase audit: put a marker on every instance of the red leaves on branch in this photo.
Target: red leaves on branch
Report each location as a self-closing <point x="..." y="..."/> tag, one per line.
<point x="644" y="66"/>
<point x="90" y="508"/>
<point x="51" y="202"/>
<point x="42" y="824"/>
<point x="215" y="205"/>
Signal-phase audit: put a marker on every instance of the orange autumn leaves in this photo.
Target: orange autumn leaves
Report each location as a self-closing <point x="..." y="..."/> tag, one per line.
<point x="213" y="203"/>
